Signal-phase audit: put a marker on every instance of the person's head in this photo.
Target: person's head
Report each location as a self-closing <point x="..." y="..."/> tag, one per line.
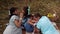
<point x="37" y="16"/>
<point x="53" y="17"/>
<point x="13" y="11"/>
<point x="31" y="16"/>
<point x="25" y="10"/>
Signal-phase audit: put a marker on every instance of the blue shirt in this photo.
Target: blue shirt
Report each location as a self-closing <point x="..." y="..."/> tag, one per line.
<point x="46" y="26"/>
<point x="28" y="27"/>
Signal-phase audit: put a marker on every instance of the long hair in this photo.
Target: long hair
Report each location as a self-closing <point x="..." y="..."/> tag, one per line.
<point x="12" y="10"/>
<point x="26" y="11"/>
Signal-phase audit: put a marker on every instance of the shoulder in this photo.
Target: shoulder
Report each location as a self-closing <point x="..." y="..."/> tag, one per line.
<point x="14" y="17"/>
<point x="44" y="18"/>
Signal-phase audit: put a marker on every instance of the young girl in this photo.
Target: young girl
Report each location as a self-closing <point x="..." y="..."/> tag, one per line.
<point x="30" y="25"/>
<point x="14" y="23"/>
<point x="29" y="28"/>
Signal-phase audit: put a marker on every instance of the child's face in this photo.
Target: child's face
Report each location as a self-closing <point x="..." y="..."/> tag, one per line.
<point x="36" y="18"/>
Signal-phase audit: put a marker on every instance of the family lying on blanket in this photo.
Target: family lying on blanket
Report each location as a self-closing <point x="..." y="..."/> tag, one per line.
<point x="31" y="23"/>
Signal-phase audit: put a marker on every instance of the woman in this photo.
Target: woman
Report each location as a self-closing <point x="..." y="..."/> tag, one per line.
<point x="24" y="12"/>
<point x="14" y="22"/>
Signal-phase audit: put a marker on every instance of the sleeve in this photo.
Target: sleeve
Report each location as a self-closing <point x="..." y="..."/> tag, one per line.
<point x="15" y="18"/>
<point x="41" y="23"/>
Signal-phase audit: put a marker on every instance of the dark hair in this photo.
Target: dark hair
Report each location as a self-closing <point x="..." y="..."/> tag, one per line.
<point x="30" y="15"/>
<point x="26" y="11"/>
<point x="37" y="15"/>
<point x="12" y="10"/>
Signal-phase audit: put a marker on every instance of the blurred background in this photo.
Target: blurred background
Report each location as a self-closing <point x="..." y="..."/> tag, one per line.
<point x="42" y="6"/>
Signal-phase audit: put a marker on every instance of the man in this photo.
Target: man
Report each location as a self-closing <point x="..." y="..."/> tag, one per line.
<point x="46" y="27"/>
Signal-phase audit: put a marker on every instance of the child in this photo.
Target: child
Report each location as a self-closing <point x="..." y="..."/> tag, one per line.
<point x="30" y="25"/>
<point x="29" y="28"/>
<point x="36" y="18"/>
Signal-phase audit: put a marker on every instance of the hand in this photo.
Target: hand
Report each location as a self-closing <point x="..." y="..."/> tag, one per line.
<point x="33" y="21"/>
<point x="36" y="30"/>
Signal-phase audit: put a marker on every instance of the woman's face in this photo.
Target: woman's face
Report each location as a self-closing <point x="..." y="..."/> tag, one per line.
<point x="16" y="11"/>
